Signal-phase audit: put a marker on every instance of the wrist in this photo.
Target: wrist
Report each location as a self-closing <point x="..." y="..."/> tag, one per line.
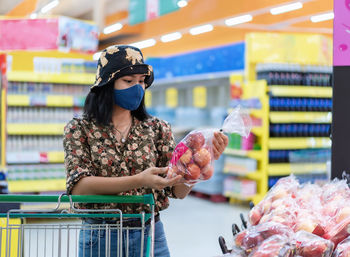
<point x="138" y="180"/>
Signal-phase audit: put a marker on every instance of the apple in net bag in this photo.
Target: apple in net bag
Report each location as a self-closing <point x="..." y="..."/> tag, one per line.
<point x="193" y="157"/>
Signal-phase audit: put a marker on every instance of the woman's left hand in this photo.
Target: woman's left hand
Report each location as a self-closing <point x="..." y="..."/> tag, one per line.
<point x="220" y="141"/>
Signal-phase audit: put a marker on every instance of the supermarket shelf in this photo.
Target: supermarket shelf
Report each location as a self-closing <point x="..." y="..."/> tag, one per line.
<point x="35" y="129"/>
<point x="234" y="197"/>
<point x="300" y="91"/>
<point x="17" y="186"/>
<point x="34" y="157"/>
<point x="284" y="169"/>
<point x="255" y="154"/>
<point x="48" y="100"/>
<point x="280" y="143"/>
<point x="255" y="175"/>
<point x="257" y="131"/>
<point x="65" y="78"/>
<point x="300" y="117"/>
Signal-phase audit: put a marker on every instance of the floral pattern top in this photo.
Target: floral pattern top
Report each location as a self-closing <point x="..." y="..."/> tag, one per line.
<point x="93" y="150"/>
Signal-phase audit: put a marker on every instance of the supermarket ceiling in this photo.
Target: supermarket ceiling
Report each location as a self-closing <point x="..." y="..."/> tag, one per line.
<point x="256" y="14"/>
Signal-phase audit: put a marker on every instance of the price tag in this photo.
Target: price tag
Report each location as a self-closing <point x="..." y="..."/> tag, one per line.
<point x="171" y="97"/>
<point x="200" y="97"/>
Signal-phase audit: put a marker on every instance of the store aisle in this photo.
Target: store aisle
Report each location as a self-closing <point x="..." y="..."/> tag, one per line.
<point x="193" y="226"/>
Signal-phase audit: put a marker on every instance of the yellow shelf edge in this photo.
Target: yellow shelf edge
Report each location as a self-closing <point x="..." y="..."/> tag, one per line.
<point x="283" y="169"/>
<point x="300" y="117"/>
<point x="35" y="129"/>
<point x="280" y="143"/>
<point x="66" y="78"/>
<point x="254" y="154"/>
<point x="45" y="100"/>
<point x="301" y="91"/>
<point x="16" y="186"/>
<point x="254" y="175"/>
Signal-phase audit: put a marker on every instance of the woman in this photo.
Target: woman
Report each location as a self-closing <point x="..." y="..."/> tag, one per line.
<point x="118" y="149"/>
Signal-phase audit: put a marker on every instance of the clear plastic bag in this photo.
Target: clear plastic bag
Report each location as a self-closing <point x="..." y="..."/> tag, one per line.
<point x="343" y="248"/>
<point x="252" y="237"/>
<point x="277" y="245"/>
<point x="310" y="245"/>
<point x="193" y="156"/>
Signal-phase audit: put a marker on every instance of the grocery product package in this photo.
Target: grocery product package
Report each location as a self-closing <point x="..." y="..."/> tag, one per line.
<point x="343" y="248"/>
<point x="193" y="156"/>
<point x="310" y="245"/>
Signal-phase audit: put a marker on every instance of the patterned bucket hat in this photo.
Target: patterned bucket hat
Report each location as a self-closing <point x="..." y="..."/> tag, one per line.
<point x="120" y="60"/>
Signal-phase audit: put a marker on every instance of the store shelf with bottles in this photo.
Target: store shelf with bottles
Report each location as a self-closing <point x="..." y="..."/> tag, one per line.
<point x="39" y="104"/>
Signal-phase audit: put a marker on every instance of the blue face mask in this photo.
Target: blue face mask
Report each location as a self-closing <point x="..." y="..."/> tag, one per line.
<point x="129" y="98"/>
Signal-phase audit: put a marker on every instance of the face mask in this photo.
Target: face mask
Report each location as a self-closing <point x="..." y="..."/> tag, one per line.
<point x="129" y="98"/>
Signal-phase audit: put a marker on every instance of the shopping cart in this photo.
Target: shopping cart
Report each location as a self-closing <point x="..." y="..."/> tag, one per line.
<point x="23" y="232"/>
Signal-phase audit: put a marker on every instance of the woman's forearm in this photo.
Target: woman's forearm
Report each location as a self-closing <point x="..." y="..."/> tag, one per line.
<point x="94" y="185"/>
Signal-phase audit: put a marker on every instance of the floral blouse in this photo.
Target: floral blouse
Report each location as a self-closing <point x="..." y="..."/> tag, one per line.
<point x="93" y="150"/>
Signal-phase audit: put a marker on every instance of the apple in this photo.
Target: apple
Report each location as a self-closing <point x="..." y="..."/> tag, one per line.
<point x="186" y="157"/>
<point x="254" y="216"/>
<point x="193" y="172"/>
<point x="195" y="141"/>
<point x="206" y="172"/>
<point x="239" y="237"/>
<point x="202" y="157"/>
<point x="342" y="214"/>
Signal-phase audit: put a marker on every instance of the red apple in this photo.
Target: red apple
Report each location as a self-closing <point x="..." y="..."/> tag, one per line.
<point x="206" y="172"/>
<point x="195" y="141"/>
<point x="193" y="172"/>
<point x="239" y="238"/>
<point x="254" y="216"/>
<point x="186" y="157"/>
<point x="202" y="157"/>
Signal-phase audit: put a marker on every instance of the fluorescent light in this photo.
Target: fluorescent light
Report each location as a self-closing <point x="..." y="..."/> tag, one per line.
<point x="170" y="37"/>
<point x="33" y="15"/>
<point x="144" y="43"/>
<point x="96" y="56"/>
<point x="201" y="29"/>
<point x="182" y="3"/>
<point x="286" y="8"/>
<point x="322" y="17"/>
<point x="111" y="28"/>
<point x="49" y="6"/>
<point x="238" y="20"/>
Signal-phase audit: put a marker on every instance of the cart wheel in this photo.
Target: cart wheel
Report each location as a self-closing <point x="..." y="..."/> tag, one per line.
<point x="244" y="222"/>
<point x="251" y="205"/>
<point x="223" y="246"/>
<point x="235" y="229"/>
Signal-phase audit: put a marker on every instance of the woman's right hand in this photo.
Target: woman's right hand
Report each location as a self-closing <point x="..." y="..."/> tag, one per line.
<point x="150" y="178"/>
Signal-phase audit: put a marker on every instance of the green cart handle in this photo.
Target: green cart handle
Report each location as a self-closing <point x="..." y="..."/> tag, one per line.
<point x="143" y="199"/>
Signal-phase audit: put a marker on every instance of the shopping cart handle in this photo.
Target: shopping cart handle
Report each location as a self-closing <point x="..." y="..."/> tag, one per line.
<point x="144" y="199"/>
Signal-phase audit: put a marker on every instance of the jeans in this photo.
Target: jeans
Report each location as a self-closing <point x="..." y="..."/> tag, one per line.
<point x="92" y="242"/>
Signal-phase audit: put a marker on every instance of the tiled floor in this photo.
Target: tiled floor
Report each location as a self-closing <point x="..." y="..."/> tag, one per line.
<point x="193" y="226"/>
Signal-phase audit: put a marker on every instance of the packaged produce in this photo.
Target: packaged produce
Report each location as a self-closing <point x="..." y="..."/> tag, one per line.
<point x="343" y="248"/>
<point x="339" y="232"/>
<point x="193" y="156"/>
<point x="253" y="236"/>
<point x="310" y="245"/>
<point x="277" y="246"/>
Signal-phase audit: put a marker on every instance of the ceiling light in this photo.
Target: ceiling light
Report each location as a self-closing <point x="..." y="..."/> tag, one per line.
<point x="96" y="56"/>
<point x="238" y="20"/>
<point x="322" y="17"/>
<point x="170" y="37"/>
<point x="201" y="29"/>
<point x="33" y="15"/>
<point x="49" y="6"/>
<point x="286" y="8"/>
<point x="111" y="28"/>
<point x="144" y="43"/>
<point x="182" y="3"/>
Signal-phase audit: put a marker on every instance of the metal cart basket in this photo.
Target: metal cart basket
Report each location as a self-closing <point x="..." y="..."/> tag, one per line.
<point x="60" y="232"/>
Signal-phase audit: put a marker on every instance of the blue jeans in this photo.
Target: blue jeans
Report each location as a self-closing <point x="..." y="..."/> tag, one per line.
<point x="92" y="242"/>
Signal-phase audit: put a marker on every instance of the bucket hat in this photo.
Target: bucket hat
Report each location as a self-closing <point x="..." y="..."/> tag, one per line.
<point x="120" y="60"/>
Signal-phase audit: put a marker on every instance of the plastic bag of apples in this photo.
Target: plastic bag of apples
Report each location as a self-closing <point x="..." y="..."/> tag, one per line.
<point x="193" y="156"/>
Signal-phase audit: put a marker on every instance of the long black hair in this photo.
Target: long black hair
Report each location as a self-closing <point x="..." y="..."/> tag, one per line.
<point x="99" y="105"/>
